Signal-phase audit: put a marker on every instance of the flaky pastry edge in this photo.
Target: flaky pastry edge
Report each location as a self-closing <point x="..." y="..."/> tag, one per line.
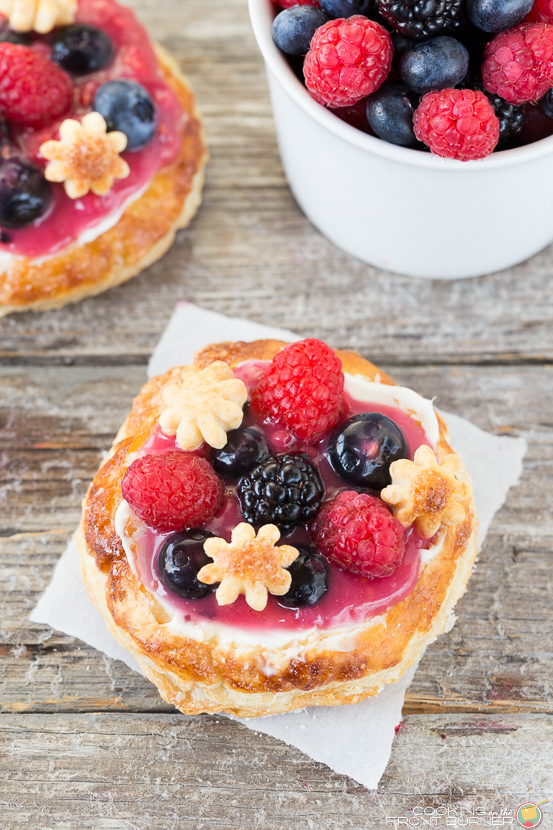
<point x="331" y="668"/>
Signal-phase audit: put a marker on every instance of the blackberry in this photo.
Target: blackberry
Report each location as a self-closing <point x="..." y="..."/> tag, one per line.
<point x="546" y="103"/>
<point x="285" y="490"/>
<point x="419" y="19"/>
<point x="511" y="117"/>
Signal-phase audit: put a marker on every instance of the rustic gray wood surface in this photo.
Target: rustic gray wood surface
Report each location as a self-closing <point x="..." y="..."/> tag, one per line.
<point x="84" y="742"/>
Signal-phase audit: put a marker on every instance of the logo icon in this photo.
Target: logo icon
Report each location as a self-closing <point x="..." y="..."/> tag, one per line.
<point x="529" y="815"/>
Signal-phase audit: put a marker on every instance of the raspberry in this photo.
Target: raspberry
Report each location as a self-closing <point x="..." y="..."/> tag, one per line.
<point x="541" y="11"/>
<point x="173" y="490"/>
<point x="302" y="389"/>
<point x="457" y="124"/>
<point x="348" y="60"/>
<point x="359" y="534"/>
<point x="518" y="63"/>
<point x="511" y="118"/>
<point x="33" y="90"/>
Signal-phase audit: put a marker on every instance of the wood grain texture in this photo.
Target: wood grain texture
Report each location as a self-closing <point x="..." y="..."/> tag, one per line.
<point x="76" y="726"/>
<point x="88" y="771"/>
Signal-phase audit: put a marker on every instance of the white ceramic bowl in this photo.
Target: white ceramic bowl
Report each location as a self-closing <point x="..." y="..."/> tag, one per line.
<point x="401" y="209"/>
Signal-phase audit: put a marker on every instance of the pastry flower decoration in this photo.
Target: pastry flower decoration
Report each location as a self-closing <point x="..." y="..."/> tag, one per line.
<point x="426" y="492"/>
<point x="38" y="15"/>
<point x="86" y="157"/>
<point x="203" y="405"/>
<point x="249" y="564"/>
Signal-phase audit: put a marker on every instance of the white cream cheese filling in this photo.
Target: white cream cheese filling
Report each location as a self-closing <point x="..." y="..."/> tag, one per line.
<point x="291" y="644"/>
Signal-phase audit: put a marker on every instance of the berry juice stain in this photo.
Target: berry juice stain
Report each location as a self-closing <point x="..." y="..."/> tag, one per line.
<point x="350" y="599"/>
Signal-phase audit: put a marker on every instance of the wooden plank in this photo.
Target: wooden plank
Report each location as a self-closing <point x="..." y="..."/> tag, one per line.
<point x="58" y="421"/>
<point x="119" y="772"/>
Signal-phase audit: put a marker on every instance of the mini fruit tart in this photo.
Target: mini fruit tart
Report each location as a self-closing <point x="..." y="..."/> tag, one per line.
<point x="102" y="152"/>
<point x="277" y="526"/>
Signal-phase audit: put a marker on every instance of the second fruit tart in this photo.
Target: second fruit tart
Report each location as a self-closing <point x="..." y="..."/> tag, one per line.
<point x="277" y="526"/>
<point x="102" y="152"/>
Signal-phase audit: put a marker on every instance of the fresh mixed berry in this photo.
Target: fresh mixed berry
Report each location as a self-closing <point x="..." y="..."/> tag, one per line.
<point x="25" y="195"/>
<point x="309" y="579"/>
<point x="457" y="124"/>
<point x="180" y="559"/>
<point x="308" y="458"/>
<point x="82" y="49"/>
<point x="439" y="63"/>
<point x="359" y="534"/>
<point x="293" y="28"/>
<point x="246" y="447"/>
<point x="362" y="450"/>
<point x="390" y="113"/>
<point x="420" y="19"/>
<point x="34" y="92"/>
<point x="285" y="490"/>
<point x="172" y="491"/>
<point x="374" y="62"/>
<point x="497" y="15"/>
<point x="518" y="64"/>
<point x="347" y="8"/>
<point x="302" y="390"/>
<point x="347" y="60"/>
<point x="129" y="108"/>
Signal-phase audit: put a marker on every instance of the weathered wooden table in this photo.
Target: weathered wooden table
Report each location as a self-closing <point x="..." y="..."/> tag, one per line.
<point x="85" y="743"/>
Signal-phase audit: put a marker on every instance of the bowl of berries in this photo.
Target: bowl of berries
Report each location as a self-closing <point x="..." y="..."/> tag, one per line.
<point x="417" y="135"/>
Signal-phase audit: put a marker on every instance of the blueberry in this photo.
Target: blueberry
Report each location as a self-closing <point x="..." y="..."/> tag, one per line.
<point x="81" y="49"/>
<point x="309" y="579"/>
<point x="439" y="63"/>
<point x="401" y="44"/>
<point x="347" y="8"/>
<point x="8" y="35"/>
<point x="362" y="449"/>
<point x="546" y="103"/>
<point x="390" y="113"/>
<point x="180" y="558"/>
<point x="127" y="107"/>
<point x="496" y="15"/>
<point x="24" y="193"/>
<point x="293" y="28"/>
<point x="245" y="448"/>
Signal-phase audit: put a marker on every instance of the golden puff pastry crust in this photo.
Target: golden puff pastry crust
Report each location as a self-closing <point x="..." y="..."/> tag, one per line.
<point x="326" y="668"/>
<point x="145" y="231"/>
